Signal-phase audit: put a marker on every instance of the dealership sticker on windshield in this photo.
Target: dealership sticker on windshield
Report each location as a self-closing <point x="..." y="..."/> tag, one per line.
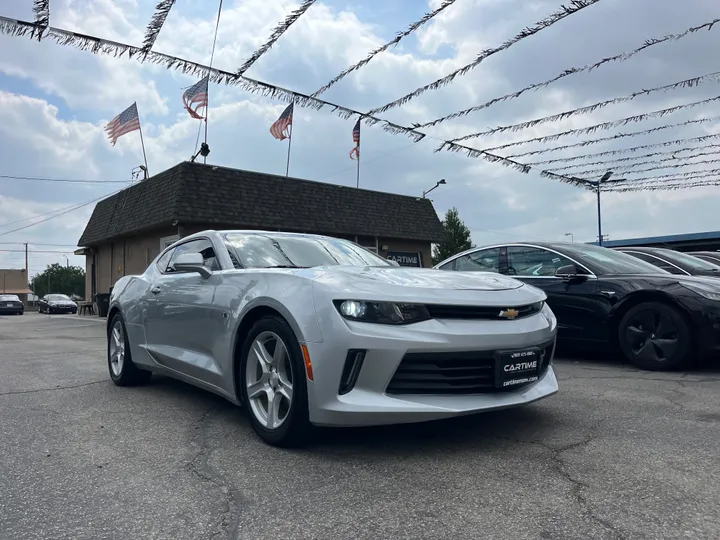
<point x="517" y="367"/>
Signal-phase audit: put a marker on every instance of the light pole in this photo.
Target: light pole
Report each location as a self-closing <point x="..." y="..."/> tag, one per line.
<point x="441" y="182"/>
<point x="67" y="261"/>
<point x="571" y="235"/>
<point x="597" y="185"/>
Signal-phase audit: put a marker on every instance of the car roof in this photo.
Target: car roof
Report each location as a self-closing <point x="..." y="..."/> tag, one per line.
<point x="223" y="232"/>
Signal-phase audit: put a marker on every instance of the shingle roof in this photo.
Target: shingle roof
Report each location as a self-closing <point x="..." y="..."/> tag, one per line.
<point x="193" y="193"/>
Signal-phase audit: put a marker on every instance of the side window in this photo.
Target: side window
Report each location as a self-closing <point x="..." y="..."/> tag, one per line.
<point x="448" y="266"/>
<point x="486" y="260"/>
<point x="202" y="246"/>
<point x="235" y="262"/>
<point x="530" y="261"/>
<point x="655" y="262"/>
<point x="162" y="263"/>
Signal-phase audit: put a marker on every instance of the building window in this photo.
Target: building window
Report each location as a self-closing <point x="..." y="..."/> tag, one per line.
<point x="167" y="241"/>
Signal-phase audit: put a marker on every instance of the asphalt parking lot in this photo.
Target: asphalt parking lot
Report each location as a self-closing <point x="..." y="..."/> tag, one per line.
<point x="617" y="454"/>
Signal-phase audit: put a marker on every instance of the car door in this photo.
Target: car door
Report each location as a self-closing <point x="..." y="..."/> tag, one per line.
<point x="182" y="319"/>
<point x="573" y="300"/>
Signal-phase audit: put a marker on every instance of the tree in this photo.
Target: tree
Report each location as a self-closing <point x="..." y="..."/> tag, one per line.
<point x="457" y="237"/>
<point x="59" y="279"/>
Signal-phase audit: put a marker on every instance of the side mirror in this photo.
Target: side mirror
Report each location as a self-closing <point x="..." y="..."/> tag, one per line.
<point x="566" y="271"/>
<point x="192" y="262"/>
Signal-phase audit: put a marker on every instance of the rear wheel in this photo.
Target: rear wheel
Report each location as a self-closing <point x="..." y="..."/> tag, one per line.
<point x="272" y="380"/>
<point x="655" y="336"/>
<point x="123" y="371"/>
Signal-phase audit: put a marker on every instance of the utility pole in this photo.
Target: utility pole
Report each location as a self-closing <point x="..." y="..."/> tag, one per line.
<point x="27" y="268"/>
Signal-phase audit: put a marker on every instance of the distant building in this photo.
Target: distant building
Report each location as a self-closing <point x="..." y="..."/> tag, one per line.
<point x="129" y="229"/>
<point x="703" y="241"/>
<point x="15" y="282"/>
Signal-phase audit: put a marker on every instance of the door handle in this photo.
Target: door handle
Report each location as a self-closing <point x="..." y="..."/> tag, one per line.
<point x="155" y="290"/>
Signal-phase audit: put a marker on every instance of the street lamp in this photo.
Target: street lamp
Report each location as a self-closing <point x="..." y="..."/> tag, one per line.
<point x="572" y="237"/>
<point x="67" y="261"/>
<point x="441" y="182"/>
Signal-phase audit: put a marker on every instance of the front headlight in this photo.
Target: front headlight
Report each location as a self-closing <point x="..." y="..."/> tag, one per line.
<point x="704" y="290"/>
<point x="549" y="316"/>
<point x="382" y="312"/>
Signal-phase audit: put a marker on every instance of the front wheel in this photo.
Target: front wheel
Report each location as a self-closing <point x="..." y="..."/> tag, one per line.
<point x="123" y="370"/>
<point x="273" y="383"/>
<point x="656" y="337"/>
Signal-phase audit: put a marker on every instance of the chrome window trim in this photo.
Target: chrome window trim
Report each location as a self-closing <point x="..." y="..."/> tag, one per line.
<point x="589" y="275"/>
<point x="685" y="272"/>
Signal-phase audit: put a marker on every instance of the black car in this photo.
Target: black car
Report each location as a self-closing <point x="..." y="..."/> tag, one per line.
<point x="604" y="298"/>
<point x="674" y="262"/>
<point x="10" y="304"/>
<point x="709" y="256"/>
<point x="57" y="303"/>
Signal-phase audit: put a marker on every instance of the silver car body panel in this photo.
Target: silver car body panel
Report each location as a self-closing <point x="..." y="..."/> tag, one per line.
<point x="188" y="329"/>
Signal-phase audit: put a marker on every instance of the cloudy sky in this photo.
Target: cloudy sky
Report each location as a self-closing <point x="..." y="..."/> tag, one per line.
<point x="55" y="100"/>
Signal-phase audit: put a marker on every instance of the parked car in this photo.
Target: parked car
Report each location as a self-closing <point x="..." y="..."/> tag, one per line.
<point x="57" y="303"/>
<point x="709" y="256"/>
<point x="311" y="330"/>
<point x="10" y="304"/>
<point x="674" y="262"/>
<point x="602" y="297"/>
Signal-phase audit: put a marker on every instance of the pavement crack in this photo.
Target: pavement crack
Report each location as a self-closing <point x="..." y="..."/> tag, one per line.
<point x="576" y="485"/>
<point x="15" y="392"/>
<point x="200" y="466"/>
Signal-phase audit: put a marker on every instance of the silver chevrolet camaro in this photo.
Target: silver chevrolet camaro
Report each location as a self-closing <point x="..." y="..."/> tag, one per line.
<point x="310" y="330"/>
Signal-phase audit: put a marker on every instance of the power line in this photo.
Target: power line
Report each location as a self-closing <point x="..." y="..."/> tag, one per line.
<point x="60" y="214"/>
<point x="65" y="180"/>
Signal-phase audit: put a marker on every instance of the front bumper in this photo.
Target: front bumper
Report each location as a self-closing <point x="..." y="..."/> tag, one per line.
<point x="62" y="309"/>
<point x="374" y="401"/>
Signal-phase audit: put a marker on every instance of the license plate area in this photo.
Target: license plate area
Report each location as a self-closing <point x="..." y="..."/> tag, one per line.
<point x="10" y="304"/>
<point x="514" y="368"/>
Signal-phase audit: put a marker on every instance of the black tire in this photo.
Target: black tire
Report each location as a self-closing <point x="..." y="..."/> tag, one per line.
<point x="655" y="336"/>
<point x="124" y="373"/>
<point x="21" y="313"/>
<point x="295" y="429"/>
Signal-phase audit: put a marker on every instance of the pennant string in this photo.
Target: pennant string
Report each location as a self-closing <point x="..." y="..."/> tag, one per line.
<point x="614" y="163"/>
<point x="162" y="10"/>
<point x="276" y="34"/>
<point x="572" y="71"/>
<point x="41" y="9"/>
<point x="547" y="22"/>
<point x="399" y="36"/>
<point x="624" y="121"/>
<point x="17" y="28"/>
<point x="687" y="83"/>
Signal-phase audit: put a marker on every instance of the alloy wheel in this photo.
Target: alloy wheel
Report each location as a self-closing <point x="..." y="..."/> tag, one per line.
<point x="117" y="348"/>
<point x="652" y="335"/>
<point x="269" y="380"/>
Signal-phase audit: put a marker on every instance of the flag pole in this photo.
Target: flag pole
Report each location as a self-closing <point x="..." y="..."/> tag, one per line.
<point x="142" y="144"/>
<point x="207" y="107"/>
<point x="357" y="180"/>
<point x="287" y="168"/>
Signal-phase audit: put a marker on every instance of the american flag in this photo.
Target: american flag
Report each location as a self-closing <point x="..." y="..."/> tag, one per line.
<point x="196" y="95"/>
<point x="123" y="123"/>
<point x="280" y="128"/>
<point x="355" y="152"/>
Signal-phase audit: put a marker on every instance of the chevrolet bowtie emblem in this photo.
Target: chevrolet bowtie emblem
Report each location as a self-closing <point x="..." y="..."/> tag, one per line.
<point x="509" y="313"/>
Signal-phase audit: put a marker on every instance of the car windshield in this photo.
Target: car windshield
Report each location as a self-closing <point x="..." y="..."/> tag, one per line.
<point x="268" y="250"/>
<point x="609" y="261"/>
<point x="9" y="298"/>
<point x="688" y="260"/>
<point x="58" y="297"/>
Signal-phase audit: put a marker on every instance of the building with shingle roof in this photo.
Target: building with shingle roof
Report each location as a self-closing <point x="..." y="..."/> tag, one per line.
<point x="127" y="230"/>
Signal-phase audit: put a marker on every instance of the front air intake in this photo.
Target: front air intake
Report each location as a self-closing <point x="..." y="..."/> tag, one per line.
<point x="351" y="370"/>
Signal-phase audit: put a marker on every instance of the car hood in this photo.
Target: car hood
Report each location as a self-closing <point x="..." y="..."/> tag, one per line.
<point x="419" y="278"/>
